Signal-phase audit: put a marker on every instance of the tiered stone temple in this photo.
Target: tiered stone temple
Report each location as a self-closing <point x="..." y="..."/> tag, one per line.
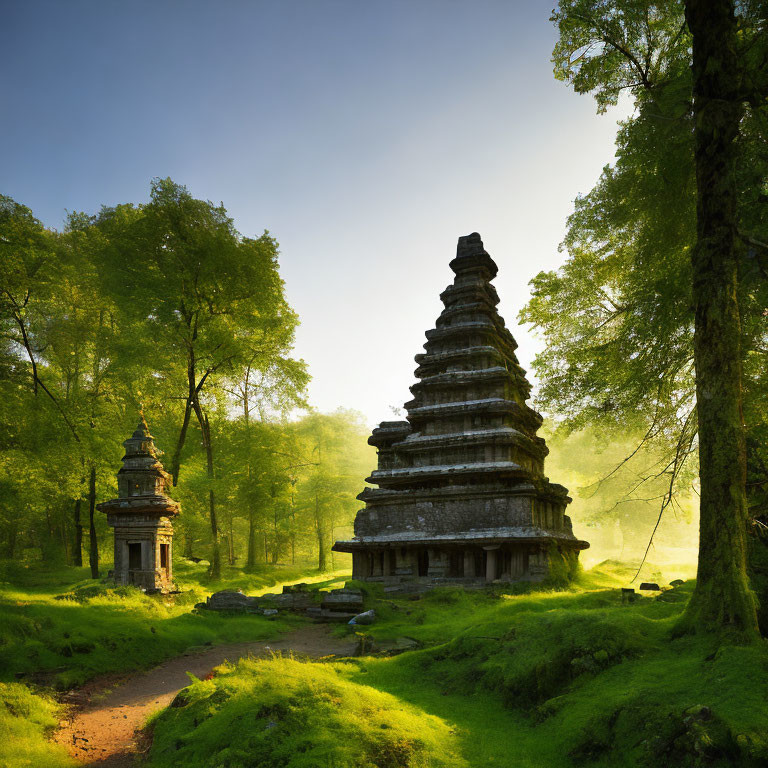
<point x="142" y="516"/>
<point x="462" y="494"/>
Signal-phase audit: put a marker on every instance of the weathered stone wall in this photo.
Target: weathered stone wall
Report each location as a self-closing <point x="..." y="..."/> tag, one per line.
<point x="445" y="515"/>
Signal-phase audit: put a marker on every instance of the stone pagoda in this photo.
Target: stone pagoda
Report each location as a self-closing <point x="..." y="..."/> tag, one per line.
<point x="462" y="494"/>
<point x="141" y="516"/>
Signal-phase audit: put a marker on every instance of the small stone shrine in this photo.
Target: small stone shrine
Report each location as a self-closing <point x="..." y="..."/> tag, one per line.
<point x="142" y="516"/>
<point x="462" y="494"/>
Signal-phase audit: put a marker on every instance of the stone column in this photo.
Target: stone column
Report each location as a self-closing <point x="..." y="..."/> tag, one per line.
<point x="387" y="571"/>
<point x="469" y="564"/>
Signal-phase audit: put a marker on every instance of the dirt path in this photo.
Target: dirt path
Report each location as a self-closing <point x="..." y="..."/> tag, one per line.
<point x="103" y="730"/>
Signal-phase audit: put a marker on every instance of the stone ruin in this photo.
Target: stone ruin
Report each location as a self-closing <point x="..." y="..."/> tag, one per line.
<point x="141" y="517"/>
<point x="334" y="605"/>
<point x="462" y="495"/>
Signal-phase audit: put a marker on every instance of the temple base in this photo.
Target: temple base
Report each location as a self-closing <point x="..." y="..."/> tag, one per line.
<point x="459" y="563"/>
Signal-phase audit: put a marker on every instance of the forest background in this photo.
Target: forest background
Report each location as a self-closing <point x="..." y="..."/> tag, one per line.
<point x="165" y="308"/>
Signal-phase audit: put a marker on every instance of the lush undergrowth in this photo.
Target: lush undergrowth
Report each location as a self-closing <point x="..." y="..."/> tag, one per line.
<point x="25" y="719"/>
<point x="62" y="628"/>
<point x="59" y="628"/>
<point x="281" y="713"/>
<point x="536" y="679"/>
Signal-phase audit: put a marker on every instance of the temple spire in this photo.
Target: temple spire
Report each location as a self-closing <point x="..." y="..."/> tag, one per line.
<point x="462" y="492"/>
<point x="141" y="515"/>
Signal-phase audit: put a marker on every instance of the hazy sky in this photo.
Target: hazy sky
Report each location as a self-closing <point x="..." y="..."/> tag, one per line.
<point x="365" y="135"/>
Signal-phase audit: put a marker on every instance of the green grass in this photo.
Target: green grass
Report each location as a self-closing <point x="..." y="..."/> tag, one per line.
<point x="281" y="713"/>
<point x="60" y="627"/>
<point x="549" y="679"/>
<point x="25" y="721"/>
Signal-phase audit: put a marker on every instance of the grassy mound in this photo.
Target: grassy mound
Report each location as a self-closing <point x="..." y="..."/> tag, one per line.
<point x="282" y="713"/>
<point x="25" y="719"/>
<point x="576" y="678"/>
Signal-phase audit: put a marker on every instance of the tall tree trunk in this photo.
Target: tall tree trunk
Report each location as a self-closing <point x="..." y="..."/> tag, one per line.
<point x="77" y="550"/>
<point x="93" y="551"/>
<point x="251" y="562"/>
<point x="322" y="554"/>
<point x="205" y="427"/>
<point x="722" y="599"/>
<point x="188" y="552"/>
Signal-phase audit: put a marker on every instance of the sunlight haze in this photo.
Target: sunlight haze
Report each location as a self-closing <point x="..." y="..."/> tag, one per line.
<point x="365" y="137"/>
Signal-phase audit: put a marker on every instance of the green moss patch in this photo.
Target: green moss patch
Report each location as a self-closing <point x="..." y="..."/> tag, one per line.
<point x="282" y="713"/>
<point x="25" y="720"/>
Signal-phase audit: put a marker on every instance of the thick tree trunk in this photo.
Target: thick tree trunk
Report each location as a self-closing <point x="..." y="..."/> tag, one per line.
<point x="77" y="550"/>
<point x="722" y="599"/>
<point x="93" y="550"/>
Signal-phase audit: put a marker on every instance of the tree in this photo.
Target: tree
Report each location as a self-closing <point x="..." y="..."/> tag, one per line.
<point x="619" y="316"/>
<point x="335" y="464"/>
<point x="209" y="298"/>
<point x="722" y="597"/>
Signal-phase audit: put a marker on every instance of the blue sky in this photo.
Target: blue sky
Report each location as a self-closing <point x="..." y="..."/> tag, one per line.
<point x="366" y="136"/>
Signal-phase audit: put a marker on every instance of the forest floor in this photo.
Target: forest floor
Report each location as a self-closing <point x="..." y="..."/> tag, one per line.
<point x="103" y="725"/>
<point x="517" y="676"/>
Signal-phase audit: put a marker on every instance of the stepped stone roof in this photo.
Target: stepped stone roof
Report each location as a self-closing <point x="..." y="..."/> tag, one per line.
<point x="141" y="481"/>
<point x="467" y="464"/>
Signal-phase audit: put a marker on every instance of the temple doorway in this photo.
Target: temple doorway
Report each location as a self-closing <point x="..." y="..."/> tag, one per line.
<point x="134" y="556"/>
<point x="423" y="562"/>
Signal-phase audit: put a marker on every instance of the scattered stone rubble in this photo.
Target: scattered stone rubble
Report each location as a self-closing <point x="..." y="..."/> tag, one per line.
<point x="336" y="605"/>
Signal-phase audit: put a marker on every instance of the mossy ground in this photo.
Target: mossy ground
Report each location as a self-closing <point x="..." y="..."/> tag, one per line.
<point x="539" y="679"/>
<point x="59" y="628"/>
<point x="280" y="712"/>
<point x="507" y="677"/>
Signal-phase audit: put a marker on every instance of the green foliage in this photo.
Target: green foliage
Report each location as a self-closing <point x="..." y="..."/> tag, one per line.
<point x="618" y="316"/>
<point x="25" y="720"/>
<point x="552" y="678"/>
<point x="281" y="713"/>
<point x="606" y="47"/>
<point x="65" y="632"/>
<point x="163" y="305"/>
<point x="577" y="677"/>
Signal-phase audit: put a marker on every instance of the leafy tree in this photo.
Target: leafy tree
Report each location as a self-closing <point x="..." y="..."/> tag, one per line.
<point x="334" y="445"/>
<point x="209" y="298"/>
<point x="618" y="317"/>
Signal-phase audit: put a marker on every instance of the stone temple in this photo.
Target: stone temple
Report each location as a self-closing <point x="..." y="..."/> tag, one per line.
<point x="141" y="516"/>
<point x="462" y="495"/>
